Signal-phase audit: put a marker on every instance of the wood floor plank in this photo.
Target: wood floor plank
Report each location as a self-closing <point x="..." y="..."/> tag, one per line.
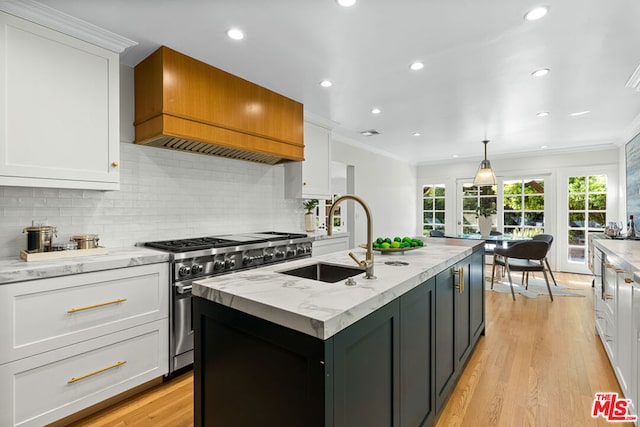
<point x="539" y="364"/>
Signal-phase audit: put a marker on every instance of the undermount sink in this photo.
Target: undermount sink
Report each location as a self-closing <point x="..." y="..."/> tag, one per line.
<point x="329" y="273"/>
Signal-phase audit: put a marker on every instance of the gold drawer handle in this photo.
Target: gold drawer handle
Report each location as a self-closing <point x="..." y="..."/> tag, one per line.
<point x="608" y="266"/>
<point x="628" y="280"/>
<point x="608" y="296"/>
<point x="619" y="270"/>
<point x="102" y="304"/>
<point x="115" y="365"/>
<point x="460" y="273"/>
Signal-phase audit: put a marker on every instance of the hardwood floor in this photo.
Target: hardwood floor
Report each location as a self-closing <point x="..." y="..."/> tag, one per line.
<point x="539" y="364"/>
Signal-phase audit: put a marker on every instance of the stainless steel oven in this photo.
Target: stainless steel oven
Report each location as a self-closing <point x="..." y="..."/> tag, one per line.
<point x="205" y="257"/>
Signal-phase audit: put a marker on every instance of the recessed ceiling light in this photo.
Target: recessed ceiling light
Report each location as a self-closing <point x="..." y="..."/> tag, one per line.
<point x="579" y="113"/>
<point x="417" y="66"/>
<point x="544" y="147"/>
<point x="376" y="111"/>
<point x="455" y="156"/>
<point x="346" y="3"/>
<point x="417" y="134"/>
<point x="326" y="83"/>
<point x="543" y="114"/>
<point x="541" y="72"/>
<point x="369" y="132"/>
<point x="235" y="34"/>
<point x="536" y="13"/>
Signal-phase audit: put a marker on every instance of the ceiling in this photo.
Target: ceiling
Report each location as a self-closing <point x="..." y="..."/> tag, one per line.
<point x="476" y="82"/>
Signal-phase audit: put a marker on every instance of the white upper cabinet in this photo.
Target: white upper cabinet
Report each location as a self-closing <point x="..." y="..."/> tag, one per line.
<point x="311" y="179"/>
<point x="59" y="115"/>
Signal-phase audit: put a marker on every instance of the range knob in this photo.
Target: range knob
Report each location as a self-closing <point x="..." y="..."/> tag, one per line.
<point x="218" y="265"/>
<point x="184" y="271"/>
<point x="307" y="249"/>
<point x="229" y="263"/>
<point x="290" y="252"/>
<point x="267" y="257"/>
<point x="196" y="269"/>
<point x="247" y="260"/>
<point x="300" y="250"/>
<point x="279" y="254"/>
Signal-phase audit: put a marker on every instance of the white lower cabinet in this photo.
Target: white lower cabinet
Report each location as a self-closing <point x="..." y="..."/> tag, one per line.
<point x="49" y="386"/>
<point x="69" y="342"/>
<point x="329" y="245"/>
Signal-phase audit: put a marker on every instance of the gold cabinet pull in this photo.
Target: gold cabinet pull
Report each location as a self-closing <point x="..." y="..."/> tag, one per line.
<point x="628" y="280"/>
<point x="608" y="266"/>
<point x="81" y="377"/>
<point x="115" y="164"/>
<point x="608" y="296"/>
<point x="619" y="270"/>
<point x="460" y="285"/>
<point x="102" y="304"/>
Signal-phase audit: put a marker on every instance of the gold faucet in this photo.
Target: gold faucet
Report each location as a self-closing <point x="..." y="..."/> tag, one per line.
<point x="367" y="263"/>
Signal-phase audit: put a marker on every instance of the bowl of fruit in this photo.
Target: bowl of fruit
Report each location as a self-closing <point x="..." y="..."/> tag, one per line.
<point x="397" y="244"/>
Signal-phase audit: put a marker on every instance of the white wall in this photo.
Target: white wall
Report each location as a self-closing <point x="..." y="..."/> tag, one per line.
<point x="386" y="185"/>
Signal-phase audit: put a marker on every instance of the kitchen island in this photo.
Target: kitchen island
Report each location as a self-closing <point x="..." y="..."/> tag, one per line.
<point x="274" y="349"/>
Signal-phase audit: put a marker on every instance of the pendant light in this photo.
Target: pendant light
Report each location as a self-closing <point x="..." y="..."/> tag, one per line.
<point x="485" y="175"/>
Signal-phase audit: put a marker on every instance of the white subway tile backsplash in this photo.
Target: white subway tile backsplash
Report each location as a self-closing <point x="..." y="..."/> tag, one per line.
<point x="163" y="194"/>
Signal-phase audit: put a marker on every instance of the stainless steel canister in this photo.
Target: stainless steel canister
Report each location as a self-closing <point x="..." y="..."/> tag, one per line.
<point x="86" y="241"/>
<point x="39" y="237"/>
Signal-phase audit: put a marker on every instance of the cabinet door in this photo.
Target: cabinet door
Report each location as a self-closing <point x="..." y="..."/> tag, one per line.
<point x="366" y="370"/>
<point x="311" y="179"/>
<point x="445" y="363"/>
<point x="59" y="119"/>
<point x="417" y="339"/>
<point x="624" y="322"/>
<point x="49" y="386"/>
<point x="476" y="294"/>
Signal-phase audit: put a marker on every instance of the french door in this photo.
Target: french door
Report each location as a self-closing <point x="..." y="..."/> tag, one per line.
<point x="588" y="201"/>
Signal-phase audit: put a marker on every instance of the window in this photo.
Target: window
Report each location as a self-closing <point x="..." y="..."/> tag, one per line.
<point x="474" y="197"/>
<point x="433" y="207"/>
<point x="587" y="198"/>
<point x="523" y="206"/>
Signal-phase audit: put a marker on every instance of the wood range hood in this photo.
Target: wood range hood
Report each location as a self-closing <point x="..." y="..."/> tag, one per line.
<point x="184" y="104"/>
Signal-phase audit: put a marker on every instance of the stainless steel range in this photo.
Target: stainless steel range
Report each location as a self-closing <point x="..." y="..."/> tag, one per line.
<point x="204" y="257"/>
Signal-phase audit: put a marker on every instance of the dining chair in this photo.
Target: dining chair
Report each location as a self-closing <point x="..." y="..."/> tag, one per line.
<point x="526" y="256"/>
<point x="436" y="233"/>
<point x="549" y="239"/>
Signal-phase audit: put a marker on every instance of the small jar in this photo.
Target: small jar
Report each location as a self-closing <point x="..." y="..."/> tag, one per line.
<point x="64" y="246"/>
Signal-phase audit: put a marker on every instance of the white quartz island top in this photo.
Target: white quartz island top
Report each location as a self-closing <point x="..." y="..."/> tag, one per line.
<point x="17" y="270"/>
<point x="627" y="251"/>
<point x="323" y="309"/>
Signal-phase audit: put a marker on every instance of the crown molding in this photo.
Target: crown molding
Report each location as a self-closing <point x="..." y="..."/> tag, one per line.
<point x="634" y="80"/>
<point x="48" y="17"/>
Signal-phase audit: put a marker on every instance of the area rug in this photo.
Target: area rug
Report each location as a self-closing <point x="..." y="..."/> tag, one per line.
<point x="537" y="287"/>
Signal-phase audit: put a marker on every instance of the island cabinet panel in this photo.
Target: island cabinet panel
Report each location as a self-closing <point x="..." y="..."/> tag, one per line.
<point x="417" y="346"/>
<point x="366" y="370"/>
<point x="459" y="315"/>
<point x="445" y="363"/>
<point x="251" y="372"/>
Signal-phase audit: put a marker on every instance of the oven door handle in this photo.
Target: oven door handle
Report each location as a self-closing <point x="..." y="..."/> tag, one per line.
<point x="183" y="289"/>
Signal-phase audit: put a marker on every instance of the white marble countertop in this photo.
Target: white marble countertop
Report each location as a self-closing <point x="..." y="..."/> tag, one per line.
<point x="627" y="251"/>
<point x="14" y="269"/>
<point x="322" y="235"/>
<point x="322" y="309"/>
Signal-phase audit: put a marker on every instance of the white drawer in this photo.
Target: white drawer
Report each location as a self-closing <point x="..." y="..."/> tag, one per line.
<point x="41" y="315"/>
<point x="37" y="391"/>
